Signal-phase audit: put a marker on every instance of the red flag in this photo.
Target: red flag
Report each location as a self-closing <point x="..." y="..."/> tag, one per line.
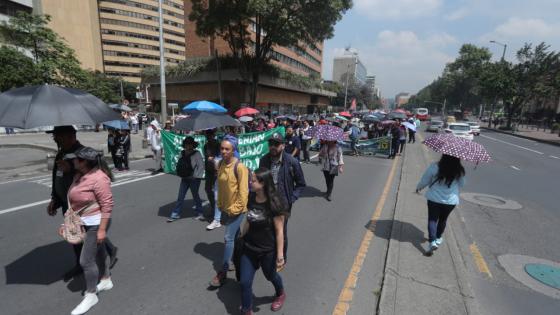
<point x="353" y="104"/>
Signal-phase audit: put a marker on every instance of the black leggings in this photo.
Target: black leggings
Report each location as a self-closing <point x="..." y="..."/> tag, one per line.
<point x="437" y="219"/>
<point x="329" y="180"/>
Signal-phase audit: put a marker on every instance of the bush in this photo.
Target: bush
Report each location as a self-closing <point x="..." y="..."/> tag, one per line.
<point x="555" y="127"/>
<point x="505" y="128"/>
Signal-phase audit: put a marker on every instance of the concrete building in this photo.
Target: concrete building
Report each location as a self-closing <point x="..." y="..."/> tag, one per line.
<point x="9" y="8"/>
<point x="401" y="99"/>
<point x="306" y="61"/>
<point x="118" y="37"/>
<point x="349" y="65"/>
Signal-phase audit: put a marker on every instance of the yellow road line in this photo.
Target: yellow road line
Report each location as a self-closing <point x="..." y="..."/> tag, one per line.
<point x="347" y="293"/>
<point x="479" y="260"/>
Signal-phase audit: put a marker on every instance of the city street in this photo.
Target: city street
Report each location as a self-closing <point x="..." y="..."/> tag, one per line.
<point x="164" y="268"/>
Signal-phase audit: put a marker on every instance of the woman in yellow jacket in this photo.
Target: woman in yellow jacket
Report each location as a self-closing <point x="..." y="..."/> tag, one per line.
<point x="233" y="194"/>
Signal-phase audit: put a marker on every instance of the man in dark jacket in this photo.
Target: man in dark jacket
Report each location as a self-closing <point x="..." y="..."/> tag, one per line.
<point x="286" y="173"/>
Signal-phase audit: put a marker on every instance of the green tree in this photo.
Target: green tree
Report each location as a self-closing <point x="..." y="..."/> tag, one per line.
<point x="16" y="69"/>
<point x="273" y="22"/>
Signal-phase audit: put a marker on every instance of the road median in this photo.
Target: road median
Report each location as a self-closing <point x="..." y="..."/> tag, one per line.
<point x="414" y="283"/>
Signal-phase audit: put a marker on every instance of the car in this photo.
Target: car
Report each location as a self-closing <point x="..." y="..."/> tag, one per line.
<point x="475" y="127"/>
<point x="461" y="130"/>
<point x="435" y="126"/>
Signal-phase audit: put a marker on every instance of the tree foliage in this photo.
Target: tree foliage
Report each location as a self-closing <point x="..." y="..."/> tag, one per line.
<point x="16" y="69"/>
<point x="252" y="28"/>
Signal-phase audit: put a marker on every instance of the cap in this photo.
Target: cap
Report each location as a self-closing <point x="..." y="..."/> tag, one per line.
<point x="191" y="141"/>
<point x="63" y="129"/>
<point x="276" y="137"/>
<point x="85" y="153"/>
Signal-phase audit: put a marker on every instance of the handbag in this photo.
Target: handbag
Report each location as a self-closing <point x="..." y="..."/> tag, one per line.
<point x="72" y="230"/>
<point x="333" y="168"/>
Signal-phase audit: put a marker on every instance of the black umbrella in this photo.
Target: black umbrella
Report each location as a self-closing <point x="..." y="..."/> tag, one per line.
<point x="49" y="105"/>
<point x="206" y="120"/>
<point x="397" y="115"/>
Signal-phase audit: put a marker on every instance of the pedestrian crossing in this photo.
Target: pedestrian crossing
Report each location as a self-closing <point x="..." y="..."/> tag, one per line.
<point x="120" y="177"/>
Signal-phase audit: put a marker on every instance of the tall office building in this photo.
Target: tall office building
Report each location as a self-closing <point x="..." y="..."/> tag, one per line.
<point x="118" y="37"/>
<point x="305" y="61"/>
<point x="350" y="65"/>
<point x="9" y="8"/>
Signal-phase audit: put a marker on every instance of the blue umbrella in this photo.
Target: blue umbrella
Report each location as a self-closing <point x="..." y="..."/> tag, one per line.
<point x="204" y="106"/>
<point x="117" y="124"/>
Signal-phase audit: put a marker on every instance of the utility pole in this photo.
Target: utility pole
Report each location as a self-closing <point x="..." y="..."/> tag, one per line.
<point x="219" y="77"/>
<point x="163" y="93"/>
<point x="122" y="90"/>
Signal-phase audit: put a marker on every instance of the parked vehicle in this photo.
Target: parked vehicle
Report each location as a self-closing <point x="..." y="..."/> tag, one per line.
<point x="422" y="114"/>
<point x="475" y="127"/>
<point x="435" y="126"/>
<point x="461" y="130"/>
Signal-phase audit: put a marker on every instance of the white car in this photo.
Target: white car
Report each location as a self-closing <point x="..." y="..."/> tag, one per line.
<point x="435" y="126"/>
<point x="475" y="127"/>
<point x="460" y="130"/>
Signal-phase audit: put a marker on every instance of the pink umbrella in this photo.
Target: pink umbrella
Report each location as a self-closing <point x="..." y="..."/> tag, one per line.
<point x="326" y="133"/>
<point x="345" y="114"/>
<point x="458" y="147"/>
<point x="246" y="111"/>
<point x="400" y="110"/>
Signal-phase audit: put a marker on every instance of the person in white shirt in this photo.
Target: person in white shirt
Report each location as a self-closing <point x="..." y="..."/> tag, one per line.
<point x="149" y="131"/>
<point x="134" y="123"/>
<point x="305" y="141"/>
<point x="156" y="144"/>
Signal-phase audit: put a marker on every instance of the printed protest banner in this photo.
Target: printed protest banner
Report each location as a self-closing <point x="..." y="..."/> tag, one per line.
<point x="374" y="146"/>
<point x="251" y="147"/>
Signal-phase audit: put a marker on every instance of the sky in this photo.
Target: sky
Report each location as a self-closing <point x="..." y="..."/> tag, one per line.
<point x="407" y="43"/>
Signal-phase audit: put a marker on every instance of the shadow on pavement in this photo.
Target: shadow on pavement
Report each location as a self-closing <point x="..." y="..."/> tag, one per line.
<point x="43" y="265"/>
<point x="188" y="212"/>
<point x="211" y="251"/>
<point x="409" y="233"/>
<point x="230" y="295"/>
<point x="310" y="192"/>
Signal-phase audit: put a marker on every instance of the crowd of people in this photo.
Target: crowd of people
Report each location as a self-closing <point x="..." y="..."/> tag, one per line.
<point x="253" y="207"/>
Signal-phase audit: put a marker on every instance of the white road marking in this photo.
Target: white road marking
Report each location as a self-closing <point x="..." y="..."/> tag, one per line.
<point x="515" y="145"/>
<point x="555" y="157"/>
<point x="22" y="179"/>
<point x="119" y="177"/>
<point x="316" y="155"/>
<point x="515" y="168"/>
<point x="29" y="205"/>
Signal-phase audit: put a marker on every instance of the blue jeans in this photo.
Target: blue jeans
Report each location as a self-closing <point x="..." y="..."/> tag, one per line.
<point x="250" y="263"/>
<point x="437" y="219"/>
<point x="217" y="211"/>
<point x="186" y="183"/>
<point x="232" y="228"/>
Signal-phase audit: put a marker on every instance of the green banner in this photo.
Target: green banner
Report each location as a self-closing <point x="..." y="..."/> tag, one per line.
<point x="252" y="146"/>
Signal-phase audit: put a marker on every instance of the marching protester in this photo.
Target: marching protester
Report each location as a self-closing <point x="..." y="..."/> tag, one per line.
<point x="332" y="164"/>
<point x="156" y="144"/>
<point x="394" y="131"/>
<point x="287" y="175"/>
<point x="354" y="135"/>
<point x="211" y="154"/>
<point x="233" y="193"/>
<point x="134" y="122"/>
<point x="293" y="144"/>
<point x="91" y="198"/>
<point x="112" y="144"/>
<point x="123" y="149"/>
<point x="411" y="132"/>
<point x="444" y="179"/>
<point x="62" y="177"/>
<point x="190" y="168"/>
<point x="263" y="240"/>
<point x="305" y="141"/>
<point x="402" y="137"/>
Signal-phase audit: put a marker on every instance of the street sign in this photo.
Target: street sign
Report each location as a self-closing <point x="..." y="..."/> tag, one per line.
<point x="173" y="105"/>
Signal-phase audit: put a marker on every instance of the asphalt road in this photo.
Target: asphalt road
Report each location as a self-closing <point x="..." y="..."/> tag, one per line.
<point x="526" y="172"/>
<point x="164" y="268"/>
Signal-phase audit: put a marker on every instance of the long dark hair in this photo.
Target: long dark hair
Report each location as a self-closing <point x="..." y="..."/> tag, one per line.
<point x="103" y="166"/>
<point x="275" y="203"/>
<point x="449" y="169"/>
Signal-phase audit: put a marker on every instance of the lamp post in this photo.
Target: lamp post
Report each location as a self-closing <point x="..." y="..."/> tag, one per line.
<point x="496" y="97"/>
<point x="348" y="76"/>
<point x="503" y="45"/>
<point x="162" y="66"/>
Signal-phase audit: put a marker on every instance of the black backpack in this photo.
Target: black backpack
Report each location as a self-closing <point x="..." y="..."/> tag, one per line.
<point x="184" y="166"/>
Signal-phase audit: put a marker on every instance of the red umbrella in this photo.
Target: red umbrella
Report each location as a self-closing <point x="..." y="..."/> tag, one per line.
<point x="400" y="110"/>
<point x="458" y="147"/>
<point x="345" y="114"/>
<point x="246" y="111"/>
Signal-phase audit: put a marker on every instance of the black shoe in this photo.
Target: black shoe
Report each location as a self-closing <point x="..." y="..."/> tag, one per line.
<point x="113" y="258"/>
<point x="328" y="197"/>
<point x="76" y="271"/>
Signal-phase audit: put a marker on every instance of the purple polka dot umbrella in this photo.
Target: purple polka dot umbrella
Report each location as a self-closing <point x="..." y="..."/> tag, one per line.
<point x="458" y="147"/>
<point x="326" y="133"/>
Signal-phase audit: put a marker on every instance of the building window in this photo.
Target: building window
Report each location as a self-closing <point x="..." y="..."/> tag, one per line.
<point x="135" y="55"/>
<point x="141" y="36"/>
<point x="10" y="8"/>
<point x="146" y="7"/>
<point x="141" y="16"/>
<point x="139" y="26"/>
<point x="292" y="62"/>
<point x="142" y="46"/>
<point x="123" y="74"/>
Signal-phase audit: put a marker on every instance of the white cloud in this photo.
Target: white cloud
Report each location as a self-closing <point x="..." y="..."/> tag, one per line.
<point x="396" y="9"/>
<point x="457" y="14"/>
<point x="518" y="27"/>
<point x="401" y="60"/>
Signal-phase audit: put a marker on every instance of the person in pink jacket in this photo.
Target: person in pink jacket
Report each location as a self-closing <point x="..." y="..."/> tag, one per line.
<point x="91" y="190"/>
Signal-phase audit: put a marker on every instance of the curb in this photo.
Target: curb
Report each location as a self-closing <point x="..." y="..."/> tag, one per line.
<point x="29" y="146"/>
<point x="388" y="298"/>
<point x="524" y="137"/>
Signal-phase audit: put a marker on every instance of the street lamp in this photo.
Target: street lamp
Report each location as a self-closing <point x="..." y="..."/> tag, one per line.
<point x="354" y="54"/>
<point x="163" y="94"/>
<point x="503" y="45"/>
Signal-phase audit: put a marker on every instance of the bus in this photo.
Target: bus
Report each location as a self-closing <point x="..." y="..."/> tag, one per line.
<point x="422" y="113"/>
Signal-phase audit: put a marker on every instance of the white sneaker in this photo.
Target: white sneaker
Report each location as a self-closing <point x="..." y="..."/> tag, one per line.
<point x="105" y="285"/>
<point x="200" y="217"/>
<point x="90" y="299"/>
<point x="213" y="225"/>
<point x="439" y="241"/>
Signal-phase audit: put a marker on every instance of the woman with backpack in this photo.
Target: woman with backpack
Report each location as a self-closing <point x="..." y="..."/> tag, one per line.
<point x="190" y="168"/>
<point x="263" y="239"/>
<point x="444" y="179"/>
<point x="332" y="164"/>
<point x="91" y="198"/>
<point x="233" y="193"/>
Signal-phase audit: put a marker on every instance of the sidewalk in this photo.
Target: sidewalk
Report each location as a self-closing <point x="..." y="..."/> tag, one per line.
<point x="96" y="140"/>
<point x="531" y="134"/>
<point x="414" y="283"/>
